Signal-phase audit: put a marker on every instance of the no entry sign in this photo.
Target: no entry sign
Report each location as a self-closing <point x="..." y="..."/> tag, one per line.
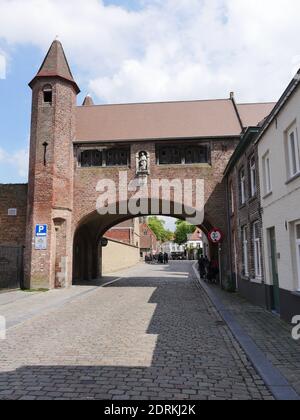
<point x="215" y="236"/>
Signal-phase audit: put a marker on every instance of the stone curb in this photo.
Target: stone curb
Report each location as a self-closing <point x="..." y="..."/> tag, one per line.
<point x="275" y="381"/>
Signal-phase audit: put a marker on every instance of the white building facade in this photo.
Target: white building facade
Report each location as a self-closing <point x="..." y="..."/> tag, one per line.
<point x="279" y="161"/>
<point x="171" y="247"/>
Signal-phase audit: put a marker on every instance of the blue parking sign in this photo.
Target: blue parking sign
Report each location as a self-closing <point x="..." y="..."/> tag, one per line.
<point x="41" y="231"/>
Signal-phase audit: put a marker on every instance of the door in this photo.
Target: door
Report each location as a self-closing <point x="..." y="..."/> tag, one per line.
<point x="11" y="267"/>
<point x="274" y="270"/>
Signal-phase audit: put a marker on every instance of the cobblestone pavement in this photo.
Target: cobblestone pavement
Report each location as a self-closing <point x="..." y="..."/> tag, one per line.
<point x="272" y="335"/>
<point x="151" y="335"/>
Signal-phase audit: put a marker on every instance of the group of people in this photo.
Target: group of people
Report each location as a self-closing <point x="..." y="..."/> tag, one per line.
<point x="209" y="270"/>
<point x="161" y="258"/>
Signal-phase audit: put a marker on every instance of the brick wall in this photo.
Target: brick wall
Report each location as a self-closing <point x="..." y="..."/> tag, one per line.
<point x="148" y="238"/>
<point x="86" y="180"/>
<point x="121" y="235"/>
<point x="245" y="215"/>
<point x="13" y="228"/>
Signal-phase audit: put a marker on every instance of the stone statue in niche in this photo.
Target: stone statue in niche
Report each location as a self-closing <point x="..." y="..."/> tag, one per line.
<point x="142" y="163"/>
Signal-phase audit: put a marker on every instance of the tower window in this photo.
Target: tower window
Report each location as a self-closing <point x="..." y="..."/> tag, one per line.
<point x="47" y="95"/>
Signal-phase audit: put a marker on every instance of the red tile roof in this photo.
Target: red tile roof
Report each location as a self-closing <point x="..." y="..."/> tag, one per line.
<point x="253" y="114"/>
<point x="167" y="120"/>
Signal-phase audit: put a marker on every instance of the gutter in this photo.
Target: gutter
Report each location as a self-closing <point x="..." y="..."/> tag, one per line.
<point x="240" y="148"/>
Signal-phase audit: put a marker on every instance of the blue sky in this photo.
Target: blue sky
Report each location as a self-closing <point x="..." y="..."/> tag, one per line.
<point x="142" y="50"/>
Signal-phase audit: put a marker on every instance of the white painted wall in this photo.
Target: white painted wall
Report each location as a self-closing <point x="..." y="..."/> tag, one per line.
<point x="281" y="209"/>
<point x="118" y="256"/>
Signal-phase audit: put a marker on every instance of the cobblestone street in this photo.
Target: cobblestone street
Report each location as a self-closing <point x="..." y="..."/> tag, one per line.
<point x="153" y="334"/>
<point x="271" y="334"/>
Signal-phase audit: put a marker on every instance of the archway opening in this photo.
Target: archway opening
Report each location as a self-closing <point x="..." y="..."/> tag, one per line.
<point x="88" y="250"/>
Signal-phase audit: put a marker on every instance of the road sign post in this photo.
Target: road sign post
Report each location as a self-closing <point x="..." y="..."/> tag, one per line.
<point x="41" y="237"/>
<point x="216" y="236"/>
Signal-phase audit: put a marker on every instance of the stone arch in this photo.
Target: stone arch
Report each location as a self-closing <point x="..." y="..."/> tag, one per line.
<point x="92" y="227"/>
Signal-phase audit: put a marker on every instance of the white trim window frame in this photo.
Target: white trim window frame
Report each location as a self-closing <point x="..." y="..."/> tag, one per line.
<point x="253" y="182"/>
<point x="257" y="251"/>
<point x="267" y="174"/>
<point x="297" y="235"/>
<point x="245" y="251"/>
<point x="293" y="152"/>
<point x="243" y="186"/>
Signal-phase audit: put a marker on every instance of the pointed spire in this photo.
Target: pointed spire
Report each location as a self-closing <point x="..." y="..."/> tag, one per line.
<point x="88" y="101"/>
<point x="56" y="65"/>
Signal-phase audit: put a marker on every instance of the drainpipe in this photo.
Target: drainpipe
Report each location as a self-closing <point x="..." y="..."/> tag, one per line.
<point x="228" y="227"/>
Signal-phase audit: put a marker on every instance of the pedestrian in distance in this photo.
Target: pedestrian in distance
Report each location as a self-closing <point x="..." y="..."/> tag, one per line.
<point x="202" y="264"/>
<point x="166" y="258"/>
<point x="206" y="268"/>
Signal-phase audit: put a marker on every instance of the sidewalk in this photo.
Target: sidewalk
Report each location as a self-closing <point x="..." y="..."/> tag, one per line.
<point x="271" y="335"/>
<point x="18" y="306"/>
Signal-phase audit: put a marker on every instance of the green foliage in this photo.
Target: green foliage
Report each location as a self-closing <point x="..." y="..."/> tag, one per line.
<point x="182" y="230"/>
<point x="158" y="227"/>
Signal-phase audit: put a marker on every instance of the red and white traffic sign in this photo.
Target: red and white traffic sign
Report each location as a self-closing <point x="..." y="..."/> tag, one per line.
<point x="215" y="236"/>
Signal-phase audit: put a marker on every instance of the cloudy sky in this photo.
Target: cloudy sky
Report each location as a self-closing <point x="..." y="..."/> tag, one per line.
<point x="143" y="50"/>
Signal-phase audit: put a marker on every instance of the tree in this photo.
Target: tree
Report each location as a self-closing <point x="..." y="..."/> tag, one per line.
<point x="158" y="227"/>
<point x="183" y="229"/>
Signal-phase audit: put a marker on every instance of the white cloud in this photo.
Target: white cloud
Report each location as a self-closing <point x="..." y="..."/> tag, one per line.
<point x="169" y="49"/>
<point x="2" y="66"/>
<point x="16" y="161"/>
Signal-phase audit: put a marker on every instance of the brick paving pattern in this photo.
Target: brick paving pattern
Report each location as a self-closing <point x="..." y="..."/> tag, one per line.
<point x="272" y="335"/>
<point x="153" y="335"/>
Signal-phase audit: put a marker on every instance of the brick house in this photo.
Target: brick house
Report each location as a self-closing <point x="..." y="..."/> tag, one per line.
<point x="148" y="240"/>
<point x="127" y="232"/>
<point x="245" y="220"/>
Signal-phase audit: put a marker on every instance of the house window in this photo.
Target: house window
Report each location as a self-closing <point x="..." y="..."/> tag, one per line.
<point x="267" y="174"/>
<point x="298" y="252"/>
<point x="47" y="94"/>
<point x="293" y="152"/>
<point x="169" y="155"/>
<point x="257" y="250"/>
<point x="116" y="157"/>
<point x="197" y="154"/>
<point x="253" y="183"/>
<point x="243" y="186"/>
<point x="182" y="155"/>
<point x="245" y="251"/>
<point x="104" y="158"/>
<point x="91" y="158"/>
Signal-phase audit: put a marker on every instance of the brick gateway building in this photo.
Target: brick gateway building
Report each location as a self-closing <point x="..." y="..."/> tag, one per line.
<point x="73" y="147"/>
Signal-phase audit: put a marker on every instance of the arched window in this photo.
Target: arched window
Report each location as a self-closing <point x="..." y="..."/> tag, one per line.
<point x="47" y="94"/>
